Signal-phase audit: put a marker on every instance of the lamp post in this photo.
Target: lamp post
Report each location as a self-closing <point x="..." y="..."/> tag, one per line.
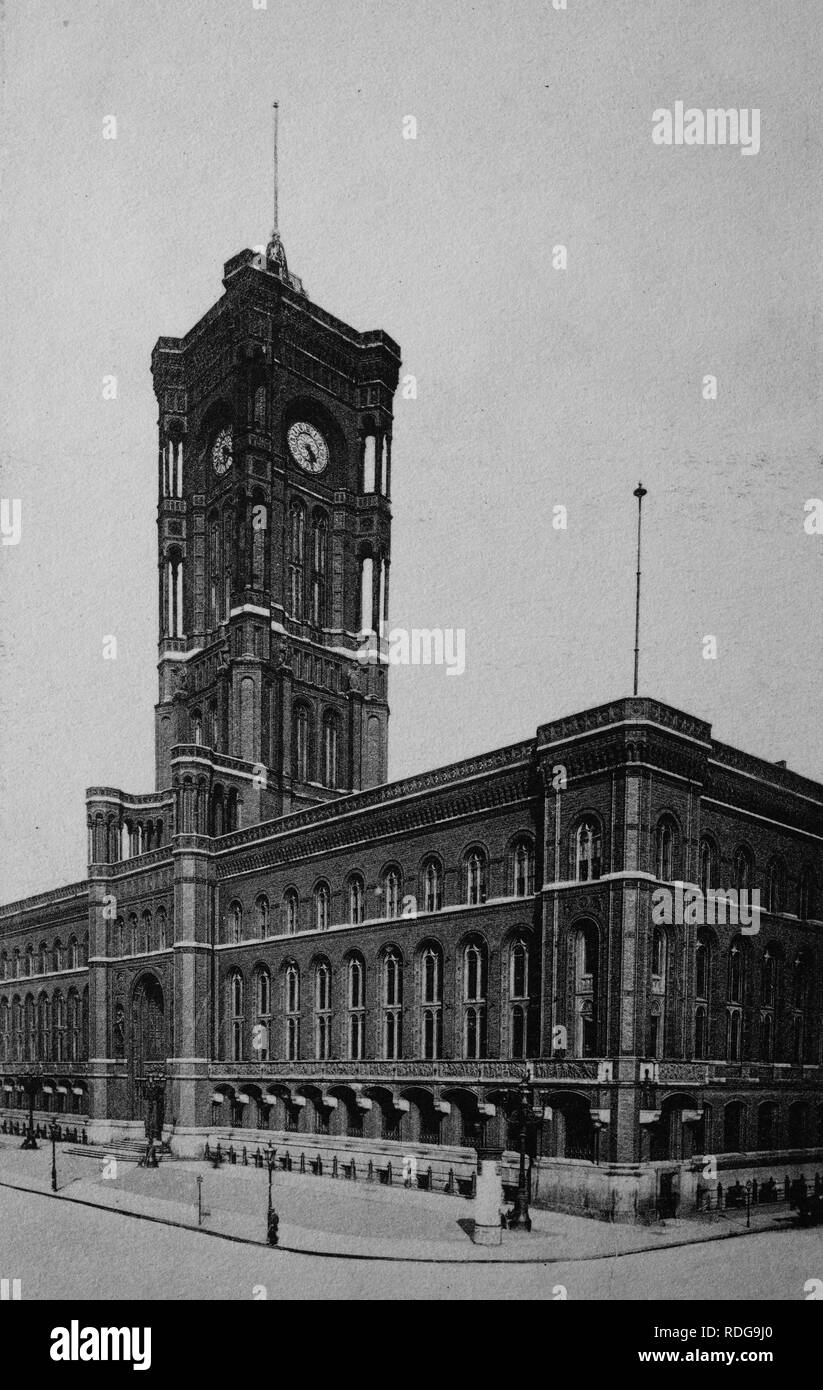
<point x="518" y="1218"/>
<point x="53" y="1138"/>
<point x="30" y="1083"/>
<point x="272" y="1219"/>
<point x="270" y="1153"/>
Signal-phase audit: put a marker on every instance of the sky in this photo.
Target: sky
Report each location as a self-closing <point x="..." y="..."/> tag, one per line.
<point x="537" y="387"/>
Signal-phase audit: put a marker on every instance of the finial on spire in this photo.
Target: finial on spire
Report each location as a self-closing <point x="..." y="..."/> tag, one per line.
<point x="639" y="493"/>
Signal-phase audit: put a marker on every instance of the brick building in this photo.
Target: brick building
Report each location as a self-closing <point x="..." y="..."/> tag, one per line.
<point x="309" y="954"/>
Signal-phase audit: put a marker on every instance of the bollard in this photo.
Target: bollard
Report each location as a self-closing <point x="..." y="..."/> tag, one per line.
<point x="245" y="1157"/>
<point x="85" y="1140"/>
<point x="429" y="1179"/>
<point x="258" y="1158"/>
<point x="370" y="1172"/>
<point x="389" y="1174"/>
<point x="302" y="1162"/>
<point x="334" y="1166"/>
<point x="353" y="1171"/>
<point x="319" y="1166"/>
<point x="450" y="1181"/>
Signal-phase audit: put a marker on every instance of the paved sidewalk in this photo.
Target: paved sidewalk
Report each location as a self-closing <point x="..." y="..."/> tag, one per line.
<point x="338" y="1217"/>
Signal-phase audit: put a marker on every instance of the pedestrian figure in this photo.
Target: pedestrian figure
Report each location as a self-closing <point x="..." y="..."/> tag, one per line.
<point x="274" y="1222"/>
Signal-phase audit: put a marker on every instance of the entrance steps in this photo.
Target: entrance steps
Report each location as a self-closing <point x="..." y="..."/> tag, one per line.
<point x="126" y="1150"/>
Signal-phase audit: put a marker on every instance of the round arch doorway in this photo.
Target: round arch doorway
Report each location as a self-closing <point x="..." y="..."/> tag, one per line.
<point x="148" y="1054"/>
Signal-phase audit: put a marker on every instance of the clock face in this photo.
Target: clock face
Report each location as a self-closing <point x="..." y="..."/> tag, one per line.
<point x="308" y="447"/>
<point x="221" y="452"/>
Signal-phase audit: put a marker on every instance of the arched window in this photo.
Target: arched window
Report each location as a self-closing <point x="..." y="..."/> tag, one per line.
<point x="659" y="957"/>
<point x="73" y="1019"/>
<point x="196" y="722"/>
<point x="74" y="954"/>
<point x="235" y="922"/>
<point x="263" y="917"/>
<point x="134" y="934"/>
<point x="665" y="848"/>
<point x="57" y="955"/>
<point x="733" y="1034"/>
<point x="475" y="872"/>
<point x="331" y="749"/>
<point x="322" y="1011"/>
<point x="58" y="1024"/>
<point x="774" y="886"/>
<point x="518" y="998"/>
<point x="735" y="982"/>
<point x="431" y="998"/>
<point x="702" y="967"/>
<point x="392" y="1005"/>
<point x="319" y="584"/>
<point x="769" y="977"/>
<point x="322" y="901"/>
<point x="767" y="1037"/>
<point x="291" y="911"/>
<point x="392" y="892"/>
<point x="236" y="1015"/>
<point x="475" y="972"/>
<point x="587" y="989"/>
<point x="522" y="868"/>
<point x="4" y="1030"/>
<point x="291" y="989"/>
<point x="708" y="865"/>
<point x="432" y="885"/>
<point x="356" y="895"/>
<point x="262" y="1028"/>
<point x="44" y="958"/>
<point x="43" y="1027"/>
<point x="30" y="960"/>
<point x="700" y="1039"/>
<point x="297" y="545"/>
<point x="161" y="929"/>
<point x="30" y="1024"/>
<point x="357" y="1008"/>
<point x="743" y="868"/>
<point x="587" y="850"/>
<point x="301" y="744"/>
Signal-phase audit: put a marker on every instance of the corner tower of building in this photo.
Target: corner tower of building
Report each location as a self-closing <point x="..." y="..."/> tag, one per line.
<point x="274" y="530"/>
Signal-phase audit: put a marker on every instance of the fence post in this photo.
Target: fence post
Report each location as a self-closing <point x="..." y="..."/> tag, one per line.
<point x="302" y="1162"/>
<point x="370" y="1172"/>
<point x="389" y="1174"/>
<point x="450" y="1181"/>
<point x="334" y="1166"/>
<point x="245" y="1157"/>
<point x="429" y="1183"/>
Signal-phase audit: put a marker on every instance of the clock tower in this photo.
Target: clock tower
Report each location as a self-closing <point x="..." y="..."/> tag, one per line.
<point x="274" y="525"/>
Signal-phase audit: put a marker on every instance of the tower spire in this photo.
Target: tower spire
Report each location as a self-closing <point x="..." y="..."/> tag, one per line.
<point x="275" y="251"/>
<point x="639" y="493"/>
<point x="275" y="232"/>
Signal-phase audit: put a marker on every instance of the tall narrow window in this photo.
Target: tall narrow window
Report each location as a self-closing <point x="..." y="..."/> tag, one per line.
<point x="523" y="869"/>
<point x="322" y="900"/>
<point x="237" y="1019"/>
<point x="665" y="849"/>
<point x="263" y="917"/>
<point x="431" y="995"/>
<point x="357" y="1009"/>
<point x="743" y="867"/>
<point x="735" y="991"/>
<point x="518" y="998"/>
<point x="319" y="586"/>
<point x="391" y="893"/>
<point x="331" y="749"/>
<point x="474" y="999"/>
<point x="700" y="1033"/>
<point x="297" y="545"/>
<point x="322" y="1012"/>
<point x="475" y="872"/>
<point x="301" y="742"/>
<point x="587" y="844"/>
<point x="292" y="1001"/>
<point x="356" y="896"/>
<point x="432" y="885"/>
<point x="367" y="594"/>
<point x="235" y="922"/>
<point x="392" y="1005"/>
<point x="262" y="1030"/>
<point x="708" y="866"/>
<point x="291" y="912"/>
<point x="774" y="886"/>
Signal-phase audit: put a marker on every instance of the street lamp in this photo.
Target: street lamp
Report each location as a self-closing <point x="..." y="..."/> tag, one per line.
<point x="518" y="1218"/>
<point x="53" y="1138"/>
<point x="270" y="1152"/>
<point x="30" y="1083"/>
